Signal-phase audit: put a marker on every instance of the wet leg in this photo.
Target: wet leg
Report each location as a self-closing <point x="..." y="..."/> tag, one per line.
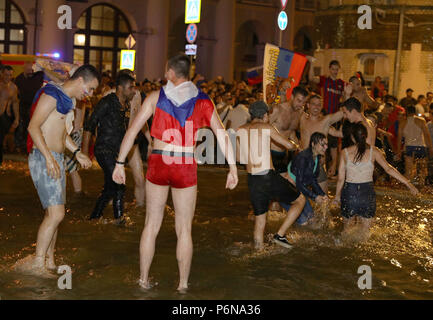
<point x="156" y="199"/>
<point x="259" y="229"/>
<point x="184" y="201"/>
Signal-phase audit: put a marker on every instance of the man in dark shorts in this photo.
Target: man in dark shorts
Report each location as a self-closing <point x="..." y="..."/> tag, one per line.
<point x="264" y="183"/>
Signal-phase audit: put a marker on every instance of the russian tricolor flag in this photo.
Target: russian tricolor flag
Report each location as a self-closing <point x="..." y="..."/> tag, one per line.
<point x="279" y="65"/>
<point x="255" y="75"/>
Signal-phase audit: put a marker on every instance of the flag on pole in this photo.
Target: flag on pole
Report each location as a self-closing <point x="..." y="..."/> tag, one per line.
<point x="282" y="72"/>
<point x="255" y="75"/>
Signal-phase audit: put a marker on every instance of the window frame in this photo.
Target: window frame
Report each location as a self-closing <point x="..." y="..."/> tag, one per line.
<point x="7" y="26"/>
<point x="115" y="34"/>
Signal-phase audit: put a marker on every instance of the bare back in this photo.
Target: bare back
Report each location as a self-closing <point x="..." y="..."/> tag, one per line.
<point x="7" y="93"/>
<point x="254" y="145"/>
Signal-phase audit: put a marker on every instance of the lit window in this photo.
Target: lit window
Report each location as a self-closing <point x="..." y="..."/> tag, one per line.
<point x="13" y="32"/>
<point x="102" y="31"/>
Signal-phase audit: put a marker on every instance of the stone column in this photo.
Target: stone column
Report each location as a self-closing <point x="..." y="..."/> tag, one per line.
<point x="152" y="42"/>
<point x="50" y="37"/>
<point x="223" y="62"/>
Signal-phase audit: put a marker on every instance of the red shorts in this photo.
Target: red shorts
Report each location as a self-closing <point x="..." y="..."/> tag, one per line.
<point x="176" y="175"/>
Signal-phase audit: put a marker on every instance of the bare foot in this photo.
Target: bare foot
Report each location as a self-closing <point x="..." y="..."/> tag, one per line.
<point x="146" y="284"/>
<point x="182" y="290"/>
<point x="50" y="264"/>
<point x="258" y="245"/>
<point x="34" y="266"/>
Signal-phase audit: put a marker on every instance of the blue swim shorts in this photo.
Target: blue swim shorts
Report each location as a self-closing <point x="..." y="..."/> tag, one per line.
<point x="51" y="192"/>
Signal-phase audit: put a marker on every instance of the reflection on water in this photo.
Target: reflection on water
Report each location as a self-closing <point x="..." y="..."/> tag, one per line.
<point x="322" y="265"/>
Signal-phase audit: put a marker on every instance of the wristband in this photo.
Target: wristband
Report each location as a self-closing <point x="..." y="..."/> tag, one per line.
<point x="120" y="162"/>
<point x="76" y="151"/>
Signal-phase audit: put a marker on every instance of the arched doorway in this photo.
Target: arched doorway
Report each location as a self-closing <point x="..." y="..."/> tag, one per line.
<point x="249" y="47"/>
<point x="13" y="33"/>
<point x="102" y="31"/>
<point x="303" y="42"/>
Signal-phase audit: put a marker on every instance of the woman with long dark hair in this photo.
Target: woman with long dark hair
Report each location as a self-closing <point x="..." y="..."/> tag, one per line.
<point x="355" y="188"/>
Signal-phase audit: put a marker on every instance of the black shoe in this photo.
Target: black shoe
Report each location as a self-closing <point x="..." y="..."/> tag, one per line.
<point x="282" y="241"/>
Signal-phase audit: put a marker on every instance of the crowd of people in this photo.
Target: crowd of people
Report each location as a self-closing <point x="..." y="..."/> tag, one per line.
<point x="328" y="129"/>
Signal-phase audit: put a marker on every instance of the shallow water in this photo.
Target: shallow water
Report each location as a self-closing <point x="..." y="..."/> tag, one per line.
<point x="104" y="257"/>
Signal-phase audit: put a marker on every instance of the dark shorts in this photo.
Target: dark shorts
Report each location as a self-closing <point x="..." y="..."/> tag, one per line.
<point x="358" y="199"/>
<point x="279" y="160"/>
<point x="333" y="141"/>
<point x="270" y="186"/>
<point x="418" y="152"/>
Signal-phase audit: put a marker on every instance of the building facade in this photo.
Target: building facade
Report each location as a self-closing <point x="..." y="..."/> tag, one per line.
<point x="374" y="51"/>
<point x="231" y="35"/>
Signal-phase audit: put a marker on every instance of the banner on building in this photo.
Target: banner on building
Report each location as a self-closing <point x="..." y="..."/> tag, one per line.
<point x="282" y="72"/>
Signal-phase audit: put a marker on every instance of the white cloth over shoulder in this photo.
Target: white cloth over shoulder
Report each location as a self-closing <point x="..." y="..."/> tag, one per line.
<point x="180" y="94"/>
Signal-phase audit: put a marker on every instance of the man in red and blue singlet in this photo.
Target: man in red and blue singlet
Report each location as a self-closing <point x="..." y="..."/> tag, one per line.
<point x="331" y="89"/>
<point x="179" y="109"/>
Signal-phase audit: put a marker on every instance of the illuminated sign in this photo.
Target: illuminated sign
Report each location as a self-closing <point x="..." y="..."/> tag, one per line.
<point x="127" y="59"/>
<point x="192" y="11"/>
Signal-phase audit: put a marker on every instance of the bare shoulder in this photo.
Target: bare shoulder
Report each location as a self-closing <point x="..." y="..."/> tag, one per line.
<point x="304" y="116"/>
<point x="151" y="99"/>
<point x="377" y="153"/>
<point x="370" y="124"/>
<point x="244" y="127"/>
<point x="275" y="109"/>
<point x="420" y="120"/>
<point x="154" y="95"/>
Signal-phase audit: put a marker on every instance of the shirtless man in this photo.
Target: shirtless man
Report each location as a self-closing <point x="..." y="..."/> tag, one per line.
<point x="285" y="118"/>
<point x="49" y="130"/>
<point x="355" y="89"/>
<point x="315" y="121"/>
<point x="177" y="106"/>
<point x="416" y="140"/>
<point x="8" y="101"/>
<point x="352" y="111"/>
<point x="264" y="183"/>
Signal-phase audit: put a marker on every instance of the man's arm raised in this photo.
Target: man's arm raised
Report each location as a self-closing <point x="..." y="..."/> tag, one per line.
<point x="222" y="137"/>
<point x="333" y="118"/>
<point x="143" y="115"/>
<point x="371" y="103"/>
<point x="46" y="105"/>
